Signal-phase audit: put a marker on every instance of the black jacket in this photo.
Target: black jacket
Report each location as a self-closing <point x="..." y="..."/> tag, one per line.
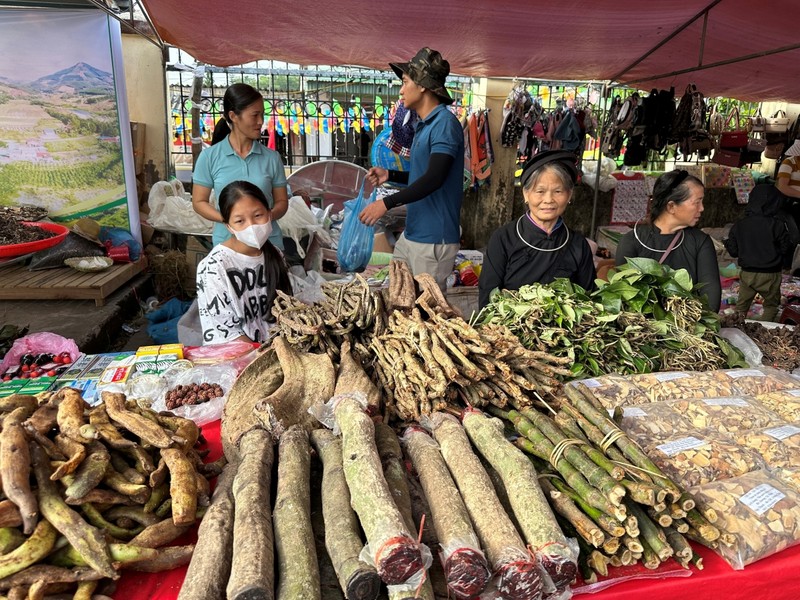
<point x="760" y="239"/>
<point x="510" y="263"/>
<point x="695" y="253"/>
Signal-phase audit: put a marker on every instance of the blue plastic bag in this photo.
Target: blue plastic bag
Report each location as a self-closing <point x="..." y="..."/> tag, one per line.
<point x="355" y="242"/>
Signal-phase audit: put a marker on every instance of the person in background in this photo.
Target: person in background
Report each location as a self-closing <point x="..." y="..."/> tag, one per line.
<point x="431" y="238"/>
<point x="539" y="247"/>
<point x="760" y="241"/>
<point x="788" y="178"/>
<point x="672" y="237"/>
<point x="238" y="281"/>
<point x="238" y="155"/>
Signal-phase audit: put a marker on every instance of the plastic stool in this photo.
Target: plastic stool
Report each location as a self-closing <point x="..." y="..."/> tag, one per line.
<point x="790" y="314"/>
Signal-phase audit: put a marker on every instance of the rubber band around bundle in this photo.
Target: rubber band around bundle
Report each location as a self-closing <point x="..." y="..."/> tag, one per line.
<point x="610" y="438"/>
<point x="559" y="449"/>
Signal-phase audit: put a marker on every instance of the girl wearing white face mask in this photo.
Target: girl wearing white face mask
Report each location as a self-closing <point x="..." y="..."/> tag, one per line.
<point x="238" y="281"/>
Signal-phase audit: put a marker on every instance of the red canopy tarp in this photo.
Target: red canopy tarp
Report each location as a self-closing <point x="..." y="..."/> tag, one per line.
<point x="560" y="40"/>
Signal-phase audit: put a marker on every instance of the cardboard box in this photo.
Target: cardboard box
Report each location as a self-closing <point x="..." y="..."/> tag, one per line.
<point x="195" y="252"/>
<point x="381" y="244"/>
<point x="8" y="388"/>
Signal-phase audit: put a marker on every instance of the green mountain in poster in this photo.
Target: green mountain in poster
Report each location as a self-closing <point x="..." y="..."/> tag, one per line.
<point x="60" y="145"/>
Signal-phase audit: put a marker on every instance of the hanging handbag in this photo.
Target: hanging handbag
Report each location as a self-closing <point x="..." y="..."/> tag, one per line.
<point x="756" y="143"/>
<point x="729" y="157"/>
<point x="733" y="139"/>
<point x="777" y="124"/>
<point x="758" y="124"/>
<point x="774" y="151"/>
<point x="716" y="122"/>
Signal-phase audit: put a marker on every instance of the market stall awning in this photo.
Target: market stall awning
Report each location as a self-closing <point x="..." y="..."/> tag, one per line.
<point x="561" y="40"/>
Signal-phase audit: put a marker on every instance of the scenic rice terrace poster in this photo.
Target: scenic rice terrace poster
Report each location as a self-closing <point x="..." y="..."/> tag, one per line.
<point x="61" y="145"/>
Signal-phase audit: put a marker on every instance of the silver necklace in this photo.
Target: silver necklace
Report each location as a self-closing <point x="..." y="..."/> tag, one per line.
<point x="527" y="243"/>
<point x="638" y="239"/>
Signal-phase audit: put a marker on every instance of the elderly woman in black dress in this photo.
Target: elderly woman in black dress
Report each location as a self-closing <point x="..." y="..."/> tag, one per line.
<point x="539" y="247"/>
<point x="672" y="237"/>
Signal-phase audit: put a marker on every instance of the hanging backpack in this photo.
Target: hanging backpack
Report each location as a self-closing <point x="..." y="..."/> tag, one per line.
<point x="682" y="122"/>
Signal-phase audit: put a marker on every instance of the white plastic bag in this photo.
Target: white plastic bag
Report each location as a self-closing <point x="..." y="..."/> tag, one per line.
<point x="299" y="221"/>
<point x="168" y="210"/>
<point x="752" y="353"/>
<point x="204" y="413"/>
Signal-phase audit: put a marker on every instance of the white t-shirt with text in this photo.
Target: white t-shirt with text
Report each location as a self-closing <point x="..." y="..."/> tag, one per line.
<point x="232" y="296"/>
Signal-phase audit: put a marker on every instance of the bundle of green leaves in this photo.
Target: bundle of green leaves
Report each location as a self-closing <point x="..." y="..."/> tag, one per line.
<point x="646" y="317"/>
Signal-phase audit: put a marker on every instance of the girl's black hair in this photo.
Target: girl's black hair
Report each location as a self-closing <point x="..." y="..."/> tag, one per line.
<point x="237" y="97"/>
<point x="671" y="187"/>
<point x="275" y="270"/>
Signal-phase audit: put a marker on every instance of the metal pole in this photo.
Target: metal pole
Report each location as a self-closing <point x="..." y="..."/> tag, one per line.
<point x="599" y="162"/>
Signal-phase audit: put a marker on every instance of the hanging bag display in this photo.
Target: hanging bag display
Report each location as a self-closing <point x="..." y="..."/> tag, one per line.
<point x="758" y="124"/>
<point x="729" y="157"/>
<point x="777" y="123"/>
<point x="736" y="138"/>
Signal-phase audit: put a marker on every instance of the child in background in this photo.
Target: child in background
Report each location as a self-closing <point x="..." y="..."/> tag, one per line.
<point x="759" y="240"/>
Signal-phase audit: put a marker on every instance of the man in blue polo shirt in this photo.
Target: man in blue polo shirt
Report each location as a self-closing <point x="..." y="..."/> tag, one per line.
<point x="431" y="239"/>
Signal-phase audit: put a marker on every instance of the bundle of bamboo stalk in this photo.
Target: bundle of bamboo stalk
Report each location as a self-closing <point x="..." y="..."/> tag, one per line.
<point x="604" y="489"/>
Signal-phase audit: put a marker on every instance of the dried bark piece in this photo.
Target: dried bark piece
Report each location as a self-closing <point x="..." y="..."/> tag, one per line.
<point x="308" y="380"/>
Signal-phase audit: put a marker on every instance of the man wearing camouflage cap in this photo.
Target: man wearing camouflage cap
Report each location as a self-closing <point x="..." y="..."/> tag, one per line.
<point x="431" y="239"/>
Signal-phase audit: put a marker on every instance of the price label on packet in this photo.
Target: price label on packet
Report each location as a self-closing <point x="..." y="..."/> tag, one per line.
<point x="678" y="446"/>
<point x="590" y="383"/>
<point x="725" y="402"/>
<point x="745" y="373"/>
<point x="633" y="411"/>
<point x="761" y="498"/>
<point x="662" y="377"/>
<point x="783" y="432"/>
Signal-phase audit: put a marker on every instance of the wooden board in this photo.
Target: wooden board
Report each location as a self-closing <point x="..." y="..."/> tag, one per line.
<point x="64" y="283"/>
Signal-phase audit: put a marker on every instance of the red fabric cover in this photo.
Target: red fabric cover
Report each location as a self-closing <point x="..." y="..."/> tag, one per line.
<point x="773" y="578"/>
<point x="548" y="39"/>
<point x="165" y="586"/>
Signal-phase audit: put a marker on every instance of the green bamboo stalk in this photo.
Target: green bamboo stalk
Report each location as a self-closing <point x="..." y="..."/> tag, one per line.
<point x="651" y="533"/>
<point x="607" y="522"/>
<point x="628" y="447"/>
<point x="698" y="522"/>
<point x="564" y="506"/>
<point x="576" y="455"/>
<point x="571" y="475"/>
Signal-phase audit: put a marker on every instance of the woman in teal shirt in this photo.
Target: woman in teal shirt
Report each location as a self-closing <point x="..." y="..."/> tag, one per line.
<point x="240" y="156"/>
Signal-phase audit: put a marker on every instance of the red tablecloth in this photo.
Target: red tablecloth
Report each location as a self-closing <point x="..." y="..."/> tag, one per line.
<point x="773" y="578"/>
<point x="165" y="586"/>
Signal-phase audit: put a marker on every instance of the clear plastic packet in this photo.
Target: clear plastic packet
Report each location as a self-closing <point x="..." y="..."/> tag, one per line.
<point x="778" y="446"/>
<point x="612" y="391"/>
<point x="785" y="403"/>
<point x="757" y="513"/>
<point x="652" y="421"/>
<point x="325" y="413"/>
<point x="697" y="457"/>
<point x="237" y="354"/>
<point x="788" y="476"/>
<point x="206" y="411"/>
<point x="726" y="415"/>
<point x="751" y="382"/>
<point x="671" y="385"/>
<point x="559" y="563"/>
<point x="409" y="587"/>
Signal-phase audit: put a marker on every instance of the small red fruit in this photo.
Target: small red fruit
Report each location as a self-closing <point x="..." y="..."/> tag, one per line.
<point x="26" y="368"/>
<point x="51" y="373"/>
<point x="24" y="376"/>
<point x="66" y="360"/>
